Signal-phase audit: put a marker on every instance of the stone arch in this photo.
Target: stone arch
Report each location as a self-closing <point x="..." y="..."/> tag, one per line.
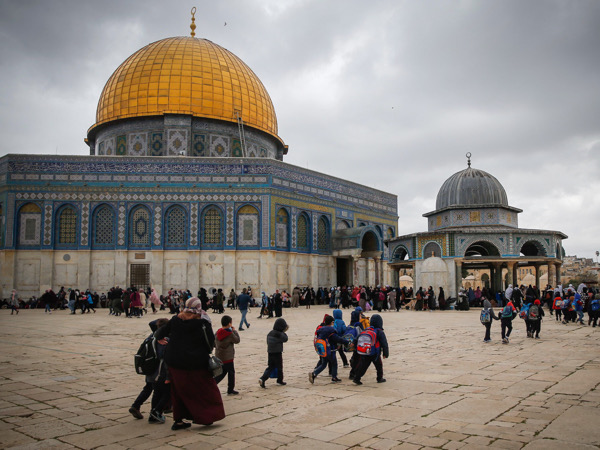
<point x="369" y="242"/>
<point x="432" y="248"/>
<point x="400" y="253"/>
<point x="533" y="247"/>
<point x="482" y="248"/>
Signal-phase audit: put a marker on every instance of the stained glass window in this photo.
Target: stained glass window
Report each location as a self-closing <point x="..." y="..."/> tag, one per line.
<point x="212" y="227"/>
<point x="139" y="232"/>
<point x="176" y="219"/>
<point x="104" y="219"/>
<point x="322" y="235"/>
<point x="302" y="232"/>
<point x="67" y="226"/>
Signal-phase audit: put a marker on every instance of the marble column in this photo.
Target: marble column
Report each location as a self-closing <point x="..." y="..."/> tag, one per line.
<point x="537" y="275"/>
<point x="558" y="265"/>
<point x="355" y="270"/>
<point x="515" y="275"/>
<point x="377" y="273"/>
<point x="457" y="281"/>
<point x="511" y="273"/>
<point x="552" y="274"/>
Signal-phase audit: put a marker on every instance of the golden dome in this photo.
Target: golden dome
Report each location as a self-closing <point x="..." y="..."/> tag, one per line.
<point x="186" y="75"/>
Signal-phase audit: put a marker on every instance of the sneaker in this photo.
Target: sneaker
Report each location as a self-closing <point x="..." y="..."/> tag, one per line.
<point x="487" y="340"/>
<point x="180" y="426"/>
<point x="335" y="380"/>
<point x="311" y="377"/>
<point x="240" y="329"/>
<point x="383" y="380"/>
<point x="247" y="325"/>
<point x="357" y="382"/>
<point x="282" y="383"/>
<point x="504" y="341"/>
<point x="537" y="337"/>
<point x="135" y="413"/>
<point x="261" y="383"/>
<point x="156" y="417"/>
<point x="346" y="366"/>
<point x="232" y="392"/>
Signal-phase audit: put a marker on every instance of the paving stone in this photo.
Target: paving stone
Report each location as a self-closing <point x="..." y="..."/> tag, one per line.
<point x="438" y="394"/>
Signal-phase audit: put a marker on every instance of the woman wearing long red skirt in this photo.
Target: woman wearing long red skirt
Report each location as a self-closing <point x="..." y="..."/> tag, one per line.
<point x="194" y="392"/>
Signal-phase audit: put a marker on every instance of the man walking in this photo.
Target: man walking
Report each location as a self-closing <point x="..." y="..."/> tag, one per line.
<point x="242" y="302"/>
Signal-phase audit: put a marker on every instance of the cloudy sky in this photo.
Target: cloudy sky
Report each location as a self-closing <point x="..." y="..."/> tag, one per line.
<point x="390" y="94"/>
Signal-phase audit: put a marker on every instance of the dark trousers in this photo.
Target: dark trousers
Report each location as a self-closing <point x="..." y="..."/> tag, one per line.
<point x="364" y="361"/>
<point x="229" y="370"/>
<point x="558" y="315"/>
<point x="593" y="317"/>
<point x="506" y="324"/>
<point x="536" y="326"/>
<point x="488" y="327"/>
<point x="275" y="362"/>
<point x="343" y="356"/>
<point x="323" y="361"/>
<point x="144" y="395"/>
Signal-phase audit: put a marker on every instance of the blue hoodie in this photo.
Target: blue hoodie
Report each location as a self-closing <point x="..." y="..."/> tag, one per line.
<point x="339" y="324"/>
<point x="355" y="316"/>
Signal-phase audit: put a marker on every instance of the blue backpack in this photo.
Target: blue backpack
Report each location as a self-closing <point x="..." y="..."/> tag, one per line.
<point x="485" y="316"/>
<point x="595" y="305"/>
<point x="507" y="312"/>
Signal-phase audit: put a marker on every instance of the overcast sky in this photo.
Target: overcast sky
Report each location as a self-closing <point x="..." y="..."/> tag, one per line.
<point x="390" y="94"/>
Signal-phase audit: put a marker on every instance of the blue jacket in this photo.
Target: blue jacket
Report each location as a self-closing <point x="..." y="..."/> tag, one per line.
<point x="328" y="333"/>
<point x="242" y="301"/>
<point x="339" y="324"/>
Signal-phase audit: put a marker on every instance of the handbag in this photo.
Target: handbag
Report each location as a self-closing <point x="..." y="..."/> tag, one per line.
<point x="215" y="365"/>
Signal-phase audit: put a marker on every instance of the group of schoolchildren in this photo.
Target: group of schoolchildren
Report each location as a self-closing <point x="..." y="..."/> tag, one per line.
<point x="531" y="312"/>
<point x="568" y="307"/>
<point x="364" y="337"/>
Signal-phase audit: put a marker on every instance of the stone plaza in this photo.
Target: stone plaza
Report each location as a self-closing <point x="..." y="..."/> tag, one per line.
<point x="67" y="382"/>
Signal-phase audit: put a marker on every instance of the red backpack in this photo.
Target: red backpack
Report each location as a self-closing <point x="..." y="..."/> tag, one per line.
<point x="367" y="343"/>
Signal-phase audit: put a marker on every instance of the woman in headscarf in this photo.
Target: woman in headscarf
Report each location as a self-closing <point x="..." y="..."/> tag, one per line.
<point x="155" y="301"/>
<point x="194" y="392"/>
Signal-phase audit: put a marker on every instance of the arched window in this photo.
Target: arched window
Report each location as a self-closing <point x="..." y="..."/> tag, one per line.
<point x="139" y="227"/>
<point x="66" y="230"/>
<point x="175" y="227"/>
<point x="282" y="228"/>
<point x="342" y="225"/>
<point x="248" y="226"/>
<point x="302" y="232"/>
<point x="432" y="249"/>
<point x="30" y="224"/>
<point x="104" y="226"/>
<point x="211" y="227"/>
<point x="390" y="233"/>
<point x="322" y="235"/>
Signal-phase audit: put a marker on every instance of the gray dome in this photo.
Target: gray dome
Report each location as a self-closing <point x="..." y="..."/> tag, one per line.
<point x="471" y="187"/>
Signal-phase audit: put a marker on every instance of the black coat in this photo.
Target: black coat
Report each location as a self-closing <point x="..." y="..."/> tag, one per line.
<point x="188" y="348"/>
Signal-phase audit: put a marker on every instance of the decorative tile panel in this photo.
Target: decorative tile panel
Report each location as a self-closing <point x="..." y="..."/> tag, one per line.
<point x="30" y="228"/>
<point x="219" y="146"/>
<point x="121" y="145"/>
<point x="156" y="144"/>
<point x="199" y="145"/>
<point x="137" y="144"/>
<point x="194" y="224"/>
<point x="177" y="142"/>
<point x="248" y="230"/>
<point x="230" y="224"/>
<point x="265" y="216"/>
<point x="121" y="225"/>
<point x="236" y="148"/>
<point x="85" y="222"/>
<point x="157" y="224"/>
<point x="48" y="214"/>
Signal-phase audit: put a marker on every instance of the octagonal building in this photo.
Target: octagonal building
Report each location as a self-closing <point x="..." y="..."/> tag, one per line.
<point x="185" y="187"/>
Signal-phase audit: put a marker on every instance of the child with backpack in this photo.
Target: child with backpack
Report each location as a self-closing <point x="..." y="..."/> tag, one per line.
<point x="536" y="312"/>
<point x="594" y="310"/>
<point x="275" y="340"/>
<point x="326" y="341"/>
<point x="371" y="346"/>
<point x="150" y="362"/>
<point x="524" y="314"/>
<point x="509" y="312"/>
<point x="557" y="307"/>
<point x="486" y="317"/>
<point x="340" y="329"/>
<point x="225" y="339"/>
<point x="578" y="307"/>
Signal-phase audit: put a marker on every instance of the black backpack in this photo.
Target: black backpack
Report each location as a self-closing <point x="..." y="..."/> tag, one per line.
<point x="146" y="360"/>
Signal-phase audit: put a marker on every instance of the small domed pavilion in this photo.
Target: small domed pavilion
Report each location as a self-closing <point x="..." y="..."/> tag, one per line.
<point x="474" y="227"/>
